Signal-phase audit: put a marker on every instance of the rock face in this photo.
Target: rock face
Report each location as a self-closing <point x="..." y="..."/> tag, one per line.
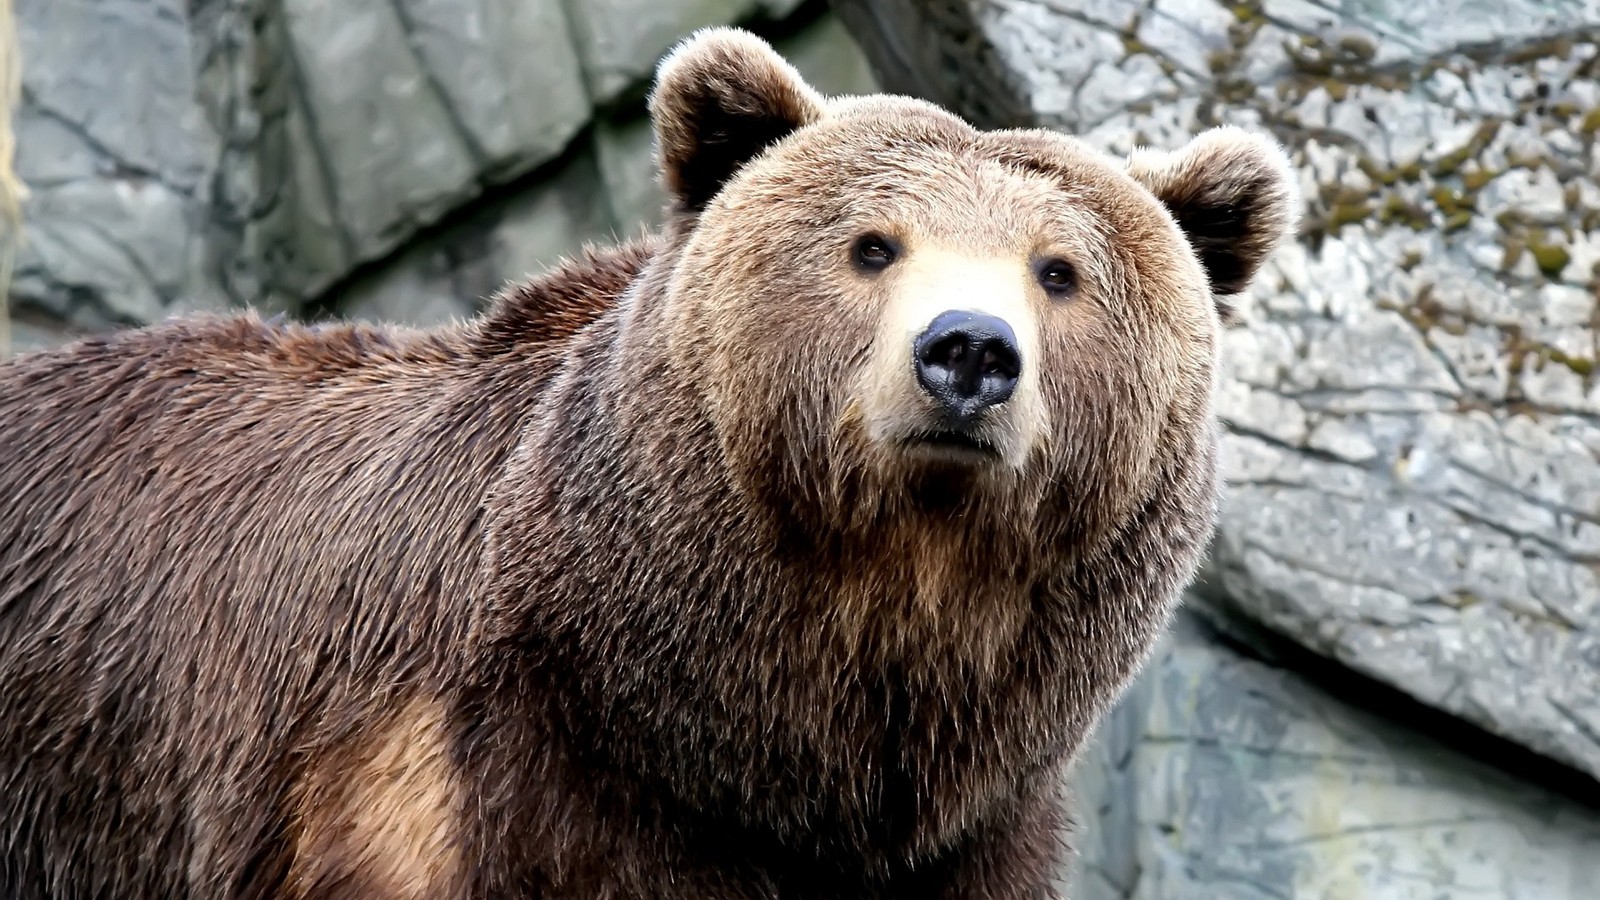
<point x="397" y="160"/>
<point x="116" y="156"/>
<point x="1221" y="777"/>
<point x="1413" y="406"/>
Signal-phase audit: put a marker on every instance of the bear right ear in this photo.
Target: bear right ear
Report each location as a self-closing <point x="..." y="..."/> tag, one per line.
<point x="1235" y="195"/>
<point x="720" y="98"/>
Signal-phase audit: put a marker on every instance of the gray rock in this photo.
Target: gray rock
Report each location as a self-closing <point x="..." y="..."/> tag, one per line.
<point x="25" y="331"/>
<point x="829" y="58"/>
<point x="400" y="110"/>
<point x="937" y="49"/>
<point x="620" y="41"/>
<point x="1413" y="406"/>
<point x="543" y="226"/>
<point x="1221" y="776"/>
<point x="625" y="152"/>
<point x="222" y="152"/>
<point x="507" y="72"/>
<point x="115" y="153"/>
<point x="450" y="275"/>
<point x="116" y="75"/>
<point x="779" y="9"/>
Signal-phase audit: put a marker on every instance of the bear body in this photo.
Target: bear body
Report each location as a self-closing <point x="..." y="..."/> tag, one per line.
<point x="791" y="553"/>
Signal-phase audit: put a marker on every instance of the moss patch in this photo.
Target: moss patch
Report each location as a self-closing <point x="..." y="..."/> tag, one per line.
<point x="1552" y="259"/>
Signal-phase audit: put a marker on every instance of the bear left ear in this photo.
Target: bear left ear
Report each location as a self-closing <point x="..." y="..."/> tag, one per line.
<point x="1233" y="193"/>
<point x="720" y="98"/>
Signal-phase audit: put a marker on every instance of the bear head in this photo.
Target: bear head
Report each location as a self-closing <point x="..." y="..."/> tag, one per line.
<point x="881" y="305"/>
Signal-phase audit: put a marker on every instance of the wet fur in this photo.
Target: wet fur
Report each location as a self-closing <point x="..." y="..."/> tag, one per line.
<point x="576" y="599"/>
<point x="236" y="550"/>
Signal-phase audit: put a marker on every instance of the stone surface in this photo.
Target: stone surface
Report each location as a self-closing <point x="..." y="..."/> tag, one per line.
<point x="1220" y="776"/>
<point x="232" y="152"/>
<point x="115" y="155"/>
<point x="937" y="49"/>
<point x="829" y="58"/>
<point x="397" y="112"/>
<point x="450" y="275"/>
<point x="26" y="331"/>
<point x="624" y="150"/>
<point x="1413" y="406"/>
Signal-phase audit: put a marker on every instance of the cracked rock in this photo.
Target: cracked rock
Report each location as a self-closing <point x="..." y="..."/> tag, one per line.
<point x="393" y="112"/>
<point x="1413" y="404"/>
<point x="238" y="152"/>
<point x="605" y="192"/>
<point x="1219" y="775"/>
<point x="115" y="156"/>
<point x="451" y="276"/>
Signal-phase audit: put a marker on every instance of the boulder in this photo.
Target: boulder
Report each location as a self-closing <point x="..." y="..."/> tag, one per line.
<point x="116" y="157"/>
<point x="450" y="275"/>
<point x="357" y="125"/>
<point x="1221" y="775"/>
<point x="229" y="152"/>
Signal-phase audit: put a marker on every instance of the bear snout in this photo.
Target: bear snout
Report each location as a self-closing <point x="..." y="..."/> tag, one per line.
<point x="967" y="362"/>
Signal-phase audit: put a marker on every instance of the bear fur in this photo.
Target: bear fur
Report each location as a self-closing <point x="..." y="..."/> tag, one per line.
<point x="653" y="580"/>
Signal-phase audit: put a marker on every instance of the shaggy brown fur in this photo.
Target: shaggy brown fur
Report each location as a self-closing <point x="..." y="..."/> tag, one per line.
<point x="619" y="591"/>
<point x="236" y="576"/>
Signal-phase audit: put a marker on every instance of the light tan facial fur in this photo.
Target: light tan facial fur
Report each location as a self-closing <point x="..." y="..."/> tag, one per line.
<point x="935" y="280"/>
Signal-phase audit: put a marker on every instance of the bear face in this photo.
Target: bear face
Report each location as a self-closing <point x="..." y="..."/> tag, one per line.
<point x="1008" y="318"/>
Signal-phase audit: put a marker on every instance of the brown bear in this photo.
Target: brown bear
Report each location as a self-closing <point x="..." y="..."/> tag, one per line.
<point x="789" y="554"/>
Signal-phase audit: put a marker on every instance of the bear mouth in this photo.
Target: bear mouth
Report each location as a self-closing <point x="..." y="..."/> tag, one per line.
<point x="954" y="441"/>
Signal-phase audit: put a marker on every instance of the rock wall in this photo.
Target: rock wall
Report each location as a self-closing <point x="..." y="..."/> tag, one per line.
<point x="394" y="159"/>
<point x="1413" y="445"/>
<point x="1227" y="776"/>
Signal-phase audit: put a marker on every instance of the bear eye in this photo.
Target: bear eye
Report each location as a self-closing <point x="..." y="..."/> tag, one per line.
<point x="1058" y="277"/>
<point x="874" y="252"/>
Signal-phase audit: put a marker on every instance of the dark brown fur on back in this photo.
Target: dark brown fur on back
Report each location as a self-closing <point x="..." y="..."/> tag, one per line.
<point x="233" y="549"/>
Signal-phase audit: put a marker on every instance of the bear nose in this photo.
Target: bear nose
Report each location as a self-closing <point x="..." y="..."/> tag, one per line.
<point x="968" y="362"/>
